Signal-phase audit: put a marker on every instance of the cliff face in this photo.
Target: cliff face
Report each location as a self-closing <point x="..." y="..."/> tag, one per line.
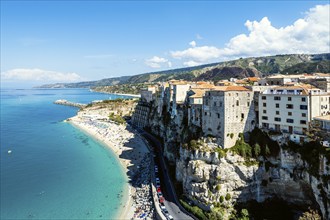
<point x="206" y="178"/>
<point x="210" y="179"/>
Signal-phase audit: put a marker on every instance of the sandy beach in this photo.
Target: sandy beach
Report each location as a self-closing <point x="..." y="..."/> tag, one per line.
<point x="132" y="153"/>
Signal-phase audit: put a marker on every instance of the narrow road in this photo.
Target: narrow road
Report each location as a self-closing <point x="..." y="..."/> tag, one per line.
<point x="171" y="202"/>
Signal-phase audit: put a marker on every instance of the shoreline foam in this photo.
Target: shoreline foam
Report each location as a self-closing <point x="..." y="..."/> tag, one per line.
<point x="115" y="138"/>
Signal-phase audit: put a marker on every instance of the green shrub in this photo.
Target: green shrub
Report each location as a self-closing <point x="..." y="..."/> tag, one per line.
<point x="222" y="199"/>
<point x="218" y="187"/>
<point x="195" y="210"/>
<point x="228" y="197"/>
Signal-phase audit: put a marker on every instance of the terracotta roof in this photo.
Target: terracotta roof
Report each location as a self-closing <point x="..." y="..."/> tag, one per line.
<point x="178" y="82"/>
<point x="198" y="93"/>
<point x="231" y="88"/>
<point x="253" y="79"/>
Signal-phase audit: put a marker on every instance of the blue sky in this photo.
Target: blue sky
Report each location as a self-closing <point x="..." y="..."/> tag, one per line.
<point x="61" y="41"/>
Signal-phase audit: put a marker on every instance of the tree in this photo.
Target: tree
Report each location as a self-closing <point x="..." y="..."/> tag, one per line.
<point x="257" y="150"/>
<point x="310" y="215"/>
<point x="267" y="151"/>
<point x="228" y="196"/>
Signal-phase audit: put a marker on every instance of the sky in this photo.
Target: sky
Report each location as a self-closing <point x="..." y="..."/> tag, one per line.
<point x="70" y="41"/>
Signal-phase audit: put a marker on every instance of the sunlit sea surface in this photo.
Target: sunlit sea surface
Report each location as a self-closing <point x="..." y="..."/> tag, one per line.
<point x="54" y="171"/>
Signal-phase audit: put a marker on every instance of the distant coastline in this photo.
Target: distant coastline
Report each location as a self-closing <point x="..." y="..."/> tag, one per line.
<point x="123" y="94"/>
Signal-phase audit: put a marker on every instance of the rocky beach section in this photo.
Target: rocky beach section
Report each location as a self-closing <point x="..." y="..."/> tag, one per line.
<point x="132" y="153"/>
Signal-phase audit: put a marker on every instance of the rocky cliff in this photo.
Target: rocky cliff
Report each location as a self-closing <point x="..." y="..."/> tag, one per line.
<point x="206" y="178"/>
<point x="212" y="178"/>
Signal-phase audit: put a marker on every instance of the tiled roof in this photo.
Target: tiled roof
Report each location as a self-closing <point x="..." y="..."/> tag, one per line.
<point x="231" y="88"/>
<point x="198" y="93"/>
<point x="253" y="79"/>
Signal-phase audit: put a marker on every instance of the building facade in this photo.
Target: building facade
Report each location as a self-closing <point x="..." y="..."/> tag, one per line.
<point x="289" y="109"/>
<point x="227" y="112"/>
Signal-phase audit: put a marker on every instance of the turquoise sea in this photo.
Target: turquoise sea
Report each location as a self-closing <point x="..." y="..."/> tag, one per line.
<point x="54" y="171"/>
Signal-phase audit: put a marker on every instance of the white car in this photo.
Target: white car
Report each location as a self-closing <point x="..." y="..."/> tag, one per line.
<point x="170" y="217"/>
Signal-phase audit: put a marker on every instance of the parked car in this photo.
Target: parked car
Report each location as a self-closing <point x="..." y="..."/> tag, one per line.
<point x="161" y="199"/>
<point x="170" y="217"/>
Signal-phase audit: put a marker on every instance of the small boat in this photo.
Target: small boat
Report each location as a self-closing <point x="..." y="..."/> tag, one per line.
<point x="9" y="152"/>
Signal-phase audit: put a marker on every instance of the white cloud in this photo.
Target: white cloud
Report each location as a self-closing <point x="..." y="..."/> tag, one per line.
<point x="310" y="34"/>
<point x="191" y="63"/>
<point x="156" y="62"/>
<point x="198" y="54"/>
<point x="169" y="64"/>
<point x="192" y="43"/>
<point x="38" y="75"/>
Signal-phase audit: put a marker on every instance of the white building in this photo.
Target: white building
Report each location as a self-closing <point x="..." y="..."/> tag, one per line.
<point x="323" y="121"/>
<point x="289" y="109"/>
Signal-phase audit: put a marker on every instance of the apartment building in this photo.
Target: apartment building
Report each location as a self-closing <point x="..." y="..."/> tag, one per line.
<point x="227" y="112"/>
<point x="195" y="103"/>
<point x="142" y="110"/>
<point x="141" y="114"/>
<point x="148" y="94"/>
<point x="289" y="109"/>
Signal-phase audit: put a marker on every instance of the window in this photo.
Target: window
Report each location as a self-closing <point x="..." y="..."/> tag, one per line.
<point x="264" y="118"/>
<point x="248" y="94"/>
<point x="215" y="103"/>
<point x="277" y="105"/>
<point x="237" y="103"/>
<point x="205" y="113"/>
<point x="277" y="112"/>
<point x="277" y="98"/>
<point x="277" y="119"/>
<point x="264" y="111"/>
<point x="218" y="115"/>
<point x="242" y="116"/>
<point x="264" y="104"/>
<point x="220" y="104"/>
<point x="303" y="122"/>
<point x="206" y="102"/>
<point x="303" y="114"/>
<point x="248" y="103"/>
<point x="303" y="99"/>
<point x="289" y="106"/>
<point x="289" y="113"/>
<point x="263" y="97"/>
<point x="289" y="98"/>
<point x="303" y="107"/>
<point x="289" y="120"/>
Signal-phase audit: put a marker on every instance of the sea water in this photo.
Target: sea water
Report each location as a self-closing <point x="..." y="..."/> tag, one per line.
<point x="50" y="169"/>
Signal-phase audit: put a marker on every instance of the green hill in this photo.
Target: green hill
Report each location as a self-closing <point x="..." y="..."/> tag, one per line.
<point x="240" y="68"/>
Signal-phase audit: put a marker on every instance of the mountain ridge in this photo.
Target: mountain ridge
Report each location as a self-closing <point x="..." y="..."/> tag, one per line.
<point x="239" y="68"/>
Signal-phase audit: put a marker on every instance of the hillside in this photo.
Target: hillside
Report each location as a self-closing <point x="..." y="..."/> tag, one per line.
<point x="240" y="68"/>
